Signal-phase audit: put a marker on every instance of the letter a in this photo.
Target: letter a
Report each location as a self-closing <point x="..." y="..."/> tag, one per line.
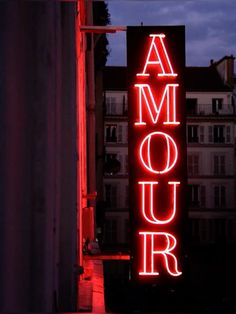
<point x="166" y="243"/>
<point x="157" y="56"/>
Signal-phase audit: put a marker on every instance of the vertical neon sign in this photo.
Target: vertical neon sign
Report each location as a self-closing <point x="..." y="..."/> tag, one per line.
<point x="157" y="149"/>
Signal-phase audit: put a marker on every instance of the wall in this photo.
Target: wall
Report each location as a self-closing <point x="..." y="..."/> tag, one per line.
<point x="38" y="157"/>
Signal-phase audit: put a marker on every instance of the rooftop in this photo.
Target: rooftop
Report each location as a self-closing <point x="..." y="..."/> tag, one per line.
<point x="205" y="79"/>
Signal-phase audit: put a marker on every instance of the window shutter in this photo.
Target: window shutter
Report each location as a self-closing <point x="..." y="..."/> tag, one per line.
<point x="113" y="195"/>
<point x="216" y="164"/>
<point x="210" y="134"/>
<point x="216" y="196"/>
<point x="190" y="164"/>
<point x="120" y="158"/>
<point x="203" y="195"/>
<point x="222" y="164"/>
<point x="195" y="164"/>
<point x="228" y="134"/>
<point x="201" y="134"/>
<point x="126" y="163"/>
<point x="223" y="196"/>
<point x="120" y="133"/>
<point x="113" y="106"/>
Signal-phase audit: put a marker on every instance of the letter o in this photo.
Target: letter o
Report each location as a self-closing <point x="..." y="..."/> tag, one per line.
<point x="171" y="147"/>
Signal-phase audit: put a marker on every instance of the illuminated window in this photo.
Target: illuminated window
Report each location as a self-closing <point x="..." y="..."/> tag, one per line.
<point x="193" y="134"/>
<point x="191" y="104"/>
<point x="219" y="196"/>
<point x="216" y="105"/>
<point x="196" y="195"/>
<point x="219" y="164"/>
<point x="193" y="164"/>
<point x="111" y="133"/>
<point x="111" y="194"/>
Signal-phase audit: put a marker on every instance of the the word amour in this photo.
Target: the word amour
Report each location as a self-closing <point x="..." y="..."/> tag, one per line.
<point x="157" y="105"/>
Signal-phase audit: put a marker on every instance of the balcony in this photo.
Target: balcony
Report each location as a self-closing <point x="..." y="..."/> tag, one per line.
<point x="207" y="110"/>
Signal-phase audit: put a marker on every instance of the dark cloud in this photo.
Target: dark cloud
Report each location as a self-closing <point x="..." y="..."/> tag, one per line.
<point x="210" y="26"/>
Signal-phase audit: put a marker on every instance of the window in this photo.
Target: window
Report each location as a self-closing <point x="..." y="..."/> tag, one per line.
<point x="196" y="195"/>
<point x="112" y="164"/>
<point x="109" y="157"/>
<point x="120" y="158"/>
<point x="193" y="134"/>
<point x="110" y="105"/>
<point x="219" y="196"/>
<point x="228" y="134"/>
<point x="219" y="134"/>
<point x="216" y="105"/>
<point x="193" y="164"/>
<point x="111" y="133"/>
<point x="201" y="134"/>
<point x="127" y="134"/>
<point x="111" y="194"/>
<point x="210" y="134"/>
<point x="194" y="229"/>
<point x="220" y="230"/>
<point x="219" y="164"/>
<point x="124" y="104"/>
<point x="191" y="106"/>
<point x="111" y="230"/>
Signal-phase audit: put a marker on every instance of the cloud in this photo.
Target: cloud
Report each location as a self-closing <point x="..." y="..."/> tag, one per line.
<point x="210" y="25"/>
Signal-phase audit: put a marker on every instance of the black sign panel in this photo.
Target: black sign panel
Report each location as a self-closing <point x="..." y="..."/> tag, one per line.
<point x="157" y="150"/>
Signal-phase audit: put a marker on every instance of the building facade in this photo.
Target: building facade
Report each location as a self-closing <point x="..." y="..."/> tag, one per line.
<point x="116" y="188"/>
<point x="43" y="178"/>
<point x="210" y="109"/>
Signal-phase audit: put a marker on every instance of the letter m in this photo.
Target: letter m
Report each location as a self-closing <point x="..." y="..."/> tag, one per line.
<point x="153" y="111"/>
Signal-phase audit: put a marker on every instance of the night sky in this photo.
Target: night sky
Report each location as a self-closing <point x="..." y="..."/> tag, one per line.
<point x="210" y="26"/>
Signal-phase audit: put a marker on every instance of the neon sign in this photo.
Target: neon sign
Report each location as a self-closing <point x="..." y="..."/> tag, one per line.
<point x="157" y="149"/>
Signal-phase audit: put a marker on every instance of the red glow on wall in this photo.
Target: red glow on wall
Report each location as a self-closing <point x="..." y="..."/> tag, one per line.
<point x="156" y="128"/>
